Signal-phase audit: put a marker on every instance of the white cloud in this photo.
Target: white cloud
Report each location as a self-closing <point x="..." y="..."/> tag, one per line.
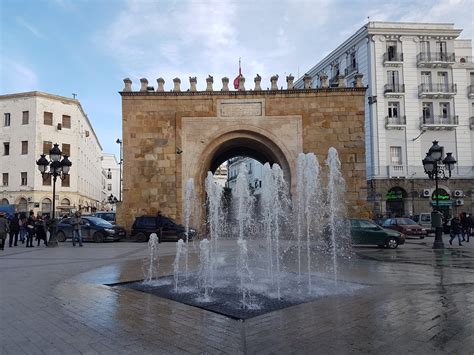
<point x="16" y="77"/>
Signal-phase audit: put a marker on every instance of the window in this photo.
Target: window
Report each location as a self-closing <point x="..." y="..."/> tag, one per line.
<point x="471" y="78"/>
<point x="353" y="60"/>
<point x="441" y="46"/>
<point x="396" y="155"/>
<point x="26" y="117"/>
<point x="24" y="179"/>
<point x="425" y="46"/>
<point x="392" y="77"/>
<point x="46" y="205"/>
<point x="66" y="182"/>
<point x="48" y="118"/>
<point x="109" y="187"/>
<point x="444" y="109"/>
<point x="427" y="110"/>
<point x="66" y="121"/>
<point x="5" y="179"/>
<point x="66" y="149"/>
<point x="443" y="80"/>
<point x="426" y="78"/>
<point x="6" y="148"/>
<point x="47" y="147"/>
<point x="46" y="180"/>
<point x="391" y="50"/>
<point x="109" y="174"/>
<point x="6" y="122"/>
<point x="393" y="109"/>
<point x="24" y="147"/>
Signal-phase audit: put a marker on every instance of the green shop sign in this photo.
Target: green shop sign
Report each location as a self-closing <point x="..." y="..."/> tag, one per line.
<point x="394" y="195"/>
<point x="440" y="197"/>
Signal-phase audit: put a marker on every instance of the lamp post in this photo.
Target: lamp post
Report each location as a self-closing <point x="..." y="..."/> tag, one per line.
<point x="112" y="200"/>
<point x="57" y="168"/>
<point x="433" y="166"/>
<point x="119" y="141"/>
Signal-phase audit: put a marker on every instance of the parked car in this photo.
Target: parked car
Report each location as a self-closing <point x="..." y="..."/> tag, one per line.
<point x="109" y="216"/>
<point x="424" y="220"/>
<point x="94" y="229"/>
<point x="406" y="226"/>
<point x="165" y="228"/>
<point x="364" y="231"/>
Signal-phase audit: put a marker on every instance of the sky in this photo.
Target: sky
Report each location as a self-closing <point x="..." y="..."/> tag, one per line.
<point x="88" y="47"/>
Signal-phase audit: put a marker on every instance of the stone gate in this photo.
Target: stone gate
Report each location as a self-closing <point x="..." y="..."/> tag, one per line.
<point x="171" y="136"/>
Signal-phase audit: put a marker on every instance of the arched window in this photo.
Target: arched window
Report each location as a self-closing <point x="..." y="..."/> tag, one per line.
<point x="4" y="201"/>
<point x="46" y="206"/>
<point x="22" y="205"/>
<point x="65" y="202"/>
<point x="395" y="203"/>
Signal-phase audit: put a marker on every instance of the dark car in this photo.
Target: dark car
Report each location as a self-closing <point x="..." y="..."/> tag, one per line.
<point x="364" y="231"/>
<point x="109" y="216"/>
<point x="94" y="229"/>
<point x="165" y="228"/>
<point x="406" y="226"/>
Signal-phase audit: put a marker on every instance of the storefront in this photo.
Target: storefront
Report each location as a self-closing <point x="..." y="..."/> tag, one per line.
<point x="395" y="202"/>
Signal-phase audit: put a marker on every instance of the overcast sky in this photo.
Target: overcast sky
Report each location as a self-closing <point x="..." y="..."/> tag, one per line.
<point x="87" y="47"/>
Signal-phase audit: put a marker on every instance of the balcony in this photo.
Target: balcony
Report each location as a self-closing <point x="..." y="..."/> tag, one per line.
<point x="395" y="122"/>
<point x="439" y="122"/>
<point x="351" y="69"/>
<point x="470" y="91"/>
<point x="392" y="59"/>
<point x="436" y="91"/>
<point x="394" y="90"/>
<point x="435" y="59"/>
<point x="471" y="122"/>
<point x="396" y="171"/>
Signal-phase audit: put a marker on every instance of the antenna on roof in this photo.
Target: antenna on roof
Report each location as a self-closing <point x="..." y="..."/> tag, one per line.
<point x="74" y="95"/>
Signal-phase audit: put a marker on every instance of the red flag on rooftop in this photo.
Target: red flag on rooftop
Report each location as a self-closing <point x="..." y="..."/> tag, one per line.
<point x="236" y="80"/>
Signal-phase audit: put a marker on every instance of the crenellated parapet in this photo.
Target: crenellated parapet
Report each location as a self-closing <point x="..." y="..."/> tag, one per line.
<point x="323" y="84"/>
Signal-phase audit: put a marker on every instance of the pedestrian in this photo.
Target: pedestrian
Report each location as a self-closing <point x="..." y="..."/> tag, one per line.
<point x="23" y="229"/>
<point x="76" y="222"/>
<point x="40" y="229"/>
<point x="470" y="219"/>
<point x="465" y="226"/>
<point x="455" y="230"/>
<point x="4" y="229"/>
<point x="30" y="228"/>
<point x="14" y="231"/>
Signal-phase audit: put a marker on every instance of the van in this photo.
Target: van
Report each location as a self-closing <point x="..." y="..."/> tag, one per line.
<point x="109" y="216"/>
<point x="424" y="220"/>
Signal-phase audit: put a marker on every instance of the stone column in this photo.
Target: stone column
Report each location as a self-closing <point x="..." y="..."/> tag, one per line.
<point x="209" y="82"/>
<point x="358" y="80"/>
<point x="177" y="84"/>
<point x="307" y="81"/>
<point x="241" y="83"/>
<point x="289" y="82"/>
<point x="225" y="84"/>
<point x="128" y="84"/>
<point x="144" y="84"/>
<point x="161" y="84"/>
<point x="192" y="83"/>
<point x="341" y="82"/>
<point x="274" y="82"/>
<point x="324" y="81"/>
<point x="257" y="80"/>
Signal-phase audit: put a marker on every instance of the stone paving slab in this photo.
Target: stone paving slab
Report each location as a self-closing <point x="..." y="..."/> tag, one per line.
<point x="53" y="301"/>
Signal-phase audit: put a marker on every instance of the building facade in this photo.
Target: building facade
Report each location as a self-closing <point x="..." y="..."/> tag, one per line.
<point x="420" y="81"/>
<point x="254" y="171"/>
<point x="31" y="123"/>
<point x="110" y="181"/>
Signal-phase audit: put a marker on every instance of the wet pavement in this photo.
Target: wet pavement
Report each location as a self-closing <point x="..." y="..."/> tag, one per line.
<point x="54" y="301"/>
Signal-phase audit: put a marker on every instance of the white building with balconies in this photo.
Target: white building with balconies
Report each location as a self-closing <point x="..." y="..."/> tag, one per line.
<point x="420" y="80"/>
<point x="111" y="181"/>
<point x="31" y="123"/>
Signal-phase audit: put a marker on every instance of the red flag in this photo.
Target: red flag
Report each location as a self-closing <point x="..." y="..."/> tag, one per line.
<point x="236" y="80"/>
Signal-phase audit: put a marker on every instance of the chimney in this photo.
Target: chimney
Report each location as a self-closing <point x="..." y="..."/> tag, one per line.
<point x="144" y="84"/>
<point x="257" y="80"/>
<point x="289" y="81"/>
<point x="209" y="82"/>
<point x="192" y="83"/>
<point x="128" y="85"/>
<point x="225" y="84"/>
<point x="177" y="83"/>
<point x="274" y="81"/>
<point x="161" y="84"/>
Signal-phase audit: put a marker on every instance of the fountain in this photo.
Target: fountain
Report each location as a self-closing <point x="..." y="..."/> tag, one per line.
<point x="265" y="254"/>
<point x="152" y="268"/>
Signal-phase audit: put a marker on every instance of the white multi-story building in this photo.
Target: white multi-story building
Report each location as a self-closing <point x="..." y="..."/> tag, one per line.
<point x="110" y="181"/>
<point x="254" y="172"/>
<point x="31" y="123"/>
<point x="420" y="88"/>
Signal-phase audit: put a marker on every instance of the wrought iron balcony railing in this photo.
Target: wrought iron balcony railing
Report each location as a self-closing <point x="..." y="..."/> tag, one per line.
<point x="392" y="57"/>
<point x="395" y="88"/>
<point x="431" y="57"/>
<point x="437" y="89"/>
<point x="439" y="120"/>
<point x="351" y="69"/>
<point x="395" y="121"/>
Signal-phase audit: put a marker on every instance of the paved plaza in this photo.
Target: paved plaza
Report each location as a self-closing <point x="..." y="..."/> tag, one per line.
<point x="54" y="301"/>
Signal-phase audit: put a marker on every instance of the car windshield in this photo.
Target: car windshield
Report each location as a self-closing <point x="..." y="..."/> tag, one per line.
<point x="106" y="216"/>
<point x="98" y="221"/>
<point x="405" y="221"/>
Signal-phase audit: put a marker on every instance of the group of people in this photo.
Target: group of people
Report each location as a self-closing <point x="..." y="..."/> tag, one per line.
<point x="461" y="228"/>
<point x="23" y="229"/>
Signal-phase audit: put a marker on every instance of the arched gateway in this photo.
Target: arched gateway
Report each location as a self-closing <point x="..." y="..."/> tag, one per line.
<point x="169" y="137"/>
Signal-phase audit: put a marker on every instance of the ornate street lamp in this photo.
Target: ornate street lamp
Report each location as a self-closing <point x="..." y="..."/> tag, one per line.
<point x="435" y="170"/>
<point x="119" y="141"/>
<point x="57" y="168"/>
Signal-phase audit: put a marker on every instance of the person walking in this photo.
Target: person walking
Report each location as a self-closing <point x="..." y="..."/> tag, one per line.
<point x="40" y="229"/>
<point x="465" y="226"/>
<point x="4" y="229"/>
<point x="76" y="222"/>
<point x="23" y="229"/>
<point x="455" y="230"/>
<point x="14" y="231"/>
<point x="30" y="228"/>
